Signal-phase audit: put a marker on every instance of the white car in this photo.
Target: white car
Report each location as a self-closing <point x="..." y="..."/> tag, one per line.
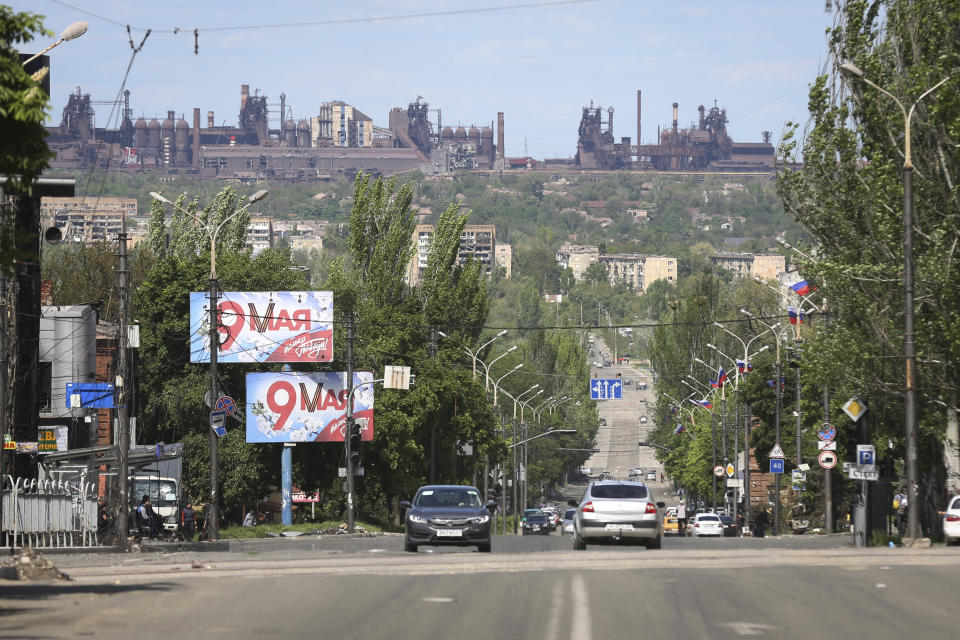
<point x="567" y="526"/>
<point x="617" y="513"/>
<point x="707" y="524"/>
<point x="951" y="522"/>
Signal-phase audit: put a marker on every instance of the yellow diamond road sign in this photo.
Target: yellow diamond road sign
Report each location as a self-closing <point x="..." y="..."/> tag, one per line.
<point x="730" y="469"/>
<point x="854" y="408"/>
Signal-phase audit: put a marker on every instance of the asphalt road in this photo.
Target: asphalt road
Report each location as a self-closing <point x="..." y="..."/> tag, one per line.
<point x="530" y="587"/>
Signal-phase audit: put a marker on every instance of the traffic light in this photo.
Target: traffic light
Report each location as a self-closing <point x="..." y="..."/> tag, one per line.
<point x="355" y="440"/>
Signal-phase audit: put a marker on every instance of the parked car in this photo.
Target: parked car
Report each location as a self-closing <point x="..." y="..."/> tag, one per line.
<point x="707" y="524"/>
<point x="617" y="513"/>
<point x="729" y="526"/>
<point x="567" y="522"/>
<point x="651" y="476"/>
<point x="642" y="386"/>
<point x="636" y="472"/>
<point x="536" y="523"/>
<point x="447" y="515"/>
<point x="643" y="419"/>
<point x="627" y="382"/>
<point x="603" y="422"/>
<point x="951" y="522"/>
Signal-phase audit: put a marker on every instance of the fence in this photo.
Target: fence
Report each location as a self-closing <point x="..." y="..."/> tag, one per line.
<point x="47" y="513"/>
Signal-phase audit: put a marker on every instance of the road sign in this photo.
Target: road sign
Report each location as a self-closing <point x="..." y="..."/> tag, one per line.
<point x="854" y="408"/>
<point x="798" y="476"/>
<point x="776" y="465"/>
<point x="226" y="403"/>
<point x="828" y="432"/>
<point x="857" y="474"/>
<point x="606" y="389"/>
<point x="730" y="469"/>
<point x="735" y="483"/>
<point x="827" y="445"/>
<point x="866" y="457"/>
<point x="827" y="459"/>
<point x="218" y="421"/>
<point x="803" y="466"/>
<point x="718" y="470"/>
<point x="776" y="452"/>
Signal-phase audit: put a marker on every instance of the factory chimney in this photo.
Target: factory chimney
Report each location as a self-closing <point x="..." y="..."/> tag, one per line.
<point x="500" y="149"/>
<point x="244" y="94"/>
<point x="210" y="120"/>
<point x="196" y="138"/>
<point x="675" y="105"/>
<point x="639" y="140"/>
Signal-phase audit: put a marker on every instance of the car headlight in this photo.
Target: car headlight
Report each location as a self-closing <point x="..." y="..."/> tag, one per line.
<point x="171" y="519"/>
<point x="417" y="519"/>
<point x="481" y="519"/>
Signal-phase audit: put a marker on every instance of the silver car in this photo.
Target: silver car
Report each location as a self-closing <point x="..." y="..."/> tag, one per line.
<point x="617" y="512"/>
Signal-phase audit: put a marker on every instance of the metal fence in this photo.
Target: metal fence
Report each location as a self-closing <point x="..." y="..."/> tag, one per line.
<point x="47" y="513"/>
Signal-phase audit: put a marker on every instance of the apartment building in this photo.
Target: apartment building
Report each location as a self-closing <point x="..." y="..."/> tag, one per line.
<point x="749" y="265"/>
<point x="577" y="258"/>
<point x="477" y="241"/>
<point x="635" y="269"/>
<point x="505" y="259"/>
<point x="85" y="219"/>
<point x="259" y="234"/>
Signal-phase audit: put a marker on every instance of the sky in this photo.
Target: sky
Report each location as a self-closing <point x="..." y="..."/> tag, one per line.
<point x="539" y="61"/>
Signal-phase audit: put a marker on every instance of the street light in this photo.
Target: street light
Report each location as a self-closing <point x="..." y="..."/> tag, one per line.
<point x="75" y="30"/>
<point x="486" y="367"/>
<point x="473" y="354"/>
<point x="909" y="347"/>
<point x="214" y="346"/>
<point x="496" y="384"/>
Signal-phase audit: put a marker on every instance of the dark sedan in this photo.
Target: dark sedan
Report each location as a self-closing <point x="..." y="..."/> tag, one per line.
<point x="729" y="526"/>
<point x="537" y="524"/>
<point x="447" y="515"/>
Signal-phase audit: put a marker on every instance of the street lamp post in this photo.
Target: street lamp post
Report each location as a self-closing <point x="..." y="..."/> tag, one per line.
<point x="713" y="483"/>
<point x="496" y="384"/>
<point x="514" y="473"/>
<point x="486" y="367"/>
<point x="75" y="30"/>
<point x="909" y="346"/>
<point x="214" y="346"/>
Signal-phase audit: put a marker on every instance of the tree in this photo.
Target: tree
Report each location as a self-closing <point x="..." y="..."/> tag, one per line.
<point x="848" y="195"/>
<point x="23" y="104"/>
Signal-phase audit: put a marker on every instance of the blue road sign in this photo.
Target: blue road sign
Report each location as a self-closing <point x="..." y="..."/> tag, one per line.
<point x="90" y="395"/>
<point x="776" y="465"/>
<point x="606" y="389"/>
<point x="829" y="432"/>
<point x="226" y="403"/>
<point x="218" y="420"/>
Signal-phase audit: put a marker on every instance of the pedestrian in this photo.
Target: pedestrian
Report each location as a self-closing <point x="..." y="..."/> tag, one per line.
<point x="661" y="477"/>
<point x="149" y="517"/>
<point x="682" y="519"/>
<point x="250" y="519"/>
<point x="188" y="521"/>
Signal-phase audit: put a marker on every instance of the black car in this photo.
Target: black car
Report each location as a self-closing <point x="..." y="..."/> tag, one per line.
<point x="537" y="524"/>
<point x="447" y="515"/>
<point x="729" y="526"/>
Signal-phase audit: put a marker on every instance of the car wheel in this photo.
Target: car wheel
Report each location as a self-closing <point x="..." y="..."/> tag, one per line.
<point x="578" y="544"/>
<point x="409" y="546"/>
<point x="484" y="548"/>
<point x="656" y="543"/>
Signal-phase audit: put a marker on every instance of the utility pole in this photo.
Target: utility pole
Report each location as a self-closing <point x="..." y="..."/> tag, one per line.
<point x="746" y="465"/>
<point x="348" y="432"/>
<point x="714" y="504"/>
<point x="213" y="519"/>
<point x="778" y="386"/>
<point x="516" y="477"/>
<point x="122" y="435"/>
<point x="827" y="476"/>
<point x="433" y="427"/>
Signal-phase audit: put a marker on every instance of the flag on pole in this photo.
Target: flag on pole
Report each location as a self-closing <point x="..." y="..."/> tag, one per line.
<point x="744" y="367"/>
<point x="722" y="377"/>
<point x="802" y="287"/>
<point x="714" y="384"/>
<point x="680" y="428"/>
<point x="705" y="403"/>
<point x="796" y="315"/>
<point x="770" y="383"/>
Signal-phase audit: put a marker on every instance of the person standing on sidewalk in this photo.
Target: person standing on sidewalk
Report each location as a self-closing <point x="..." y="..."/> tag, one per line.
<point x="682" y="519"/>
<point x="188" y="522"/>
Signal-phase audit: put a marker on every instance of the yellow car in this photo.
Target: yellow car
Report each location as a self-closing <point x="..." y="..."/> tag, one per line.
<point x="670" y="526"/>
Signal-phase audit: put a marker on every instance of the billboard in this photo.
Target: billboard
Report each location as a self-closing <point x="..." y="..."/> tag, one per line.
<point x="265" y="326"/>
<point x="306" y="407"/>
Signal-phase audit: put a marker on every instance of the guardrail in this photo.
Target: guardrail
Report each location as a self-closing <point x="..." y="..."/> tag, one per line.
<point x="47" y="513"/>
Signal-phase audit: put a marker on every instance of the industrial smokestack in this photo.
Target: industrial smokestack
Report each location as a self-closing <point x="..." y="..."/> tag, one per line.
<point x="244" y="94"/>
<point x="675" y="105"/>
<point x="500" y="149"/>
<point x="639" y="140"/>
<point x="210" y="124"/>
<point x="196" y="138"/>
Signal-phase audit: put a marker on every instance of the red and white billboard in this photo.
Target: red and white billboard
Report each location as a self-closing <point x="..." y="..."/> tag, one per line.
<point x="264" y="326"/>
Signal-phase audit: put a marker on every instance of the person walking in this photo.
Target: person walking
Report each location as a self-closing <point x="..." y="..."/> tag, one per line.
<point x="188" y="522"/>
<point x="682" y="519"/>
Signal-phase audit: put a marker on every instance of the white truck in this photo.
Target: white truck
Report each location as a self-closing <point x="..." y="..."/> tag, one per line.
<point x="160" y="479"/>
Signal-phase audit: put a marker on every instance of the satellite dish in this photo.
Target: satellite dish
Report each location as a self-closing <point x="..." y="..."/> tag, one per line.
<point x="53" y="235"/>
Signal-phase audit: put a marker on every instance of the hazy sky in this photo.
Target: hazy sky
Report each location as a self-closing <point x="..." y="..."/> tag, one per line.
<point x="537" y="64"/>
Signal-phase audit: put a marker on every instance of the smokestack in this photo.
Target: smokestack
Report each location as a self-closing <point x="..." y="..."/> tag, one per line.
<point x="639" y="140"/>
<point x="675" y="105"/>
<point x="210" y="124"/>
<point x="500" y="149"/>
<point x="244" y="94"/>
<point x="196" y="138"/>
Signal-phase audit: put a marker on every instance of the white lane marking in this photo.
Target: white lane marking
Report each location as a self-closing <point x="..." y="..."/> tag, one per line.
<point x="438" y="599"/>
<point x="580" y="624"/>
<point x="747" y="628"/>
<point x="880" y="585"/>
<point x="556" y="610"/>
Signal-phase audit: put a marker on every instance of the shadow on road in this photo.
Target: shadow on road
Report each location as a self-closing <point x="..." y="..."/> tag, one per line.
<point x="38" y="591"/>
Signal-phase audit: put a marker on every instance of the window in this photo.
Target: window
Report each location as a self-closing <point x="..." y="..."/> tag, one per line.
<point x="619" y="492"/>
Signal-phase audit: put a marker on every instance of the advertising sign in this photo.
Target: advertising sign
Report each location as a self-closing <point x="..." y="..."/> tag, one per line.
<point x="265" y="326"/>
<point x="306" y="407"/>
<point x="50" y="439"/>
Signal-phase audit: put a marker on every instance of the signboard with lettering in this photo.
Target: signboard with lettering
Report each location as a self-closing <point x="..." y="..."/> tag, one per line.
<point x="306" y="407"/>
<point x="264" y="326"/>
<point x="51" y="439"/>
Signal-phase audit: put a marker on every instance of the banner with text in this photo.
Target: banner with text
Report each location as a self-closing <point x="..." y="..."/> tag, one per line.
<point x="264" y="326"/>
<point x="306" y="407"/>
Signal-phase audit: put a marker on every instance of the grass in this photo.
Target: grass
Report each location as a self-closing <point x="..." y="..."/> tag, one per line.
<point x="261" y="530"/>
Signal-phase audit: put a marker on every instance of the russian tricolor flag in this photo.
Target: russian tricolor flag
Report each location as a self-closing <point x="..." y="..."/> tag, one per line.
<point x="714" y="384"/>
<point x="744" y="367"/>
<point x="802" y="287"/>
<point x="680" y="428"/>
<point x="796" y="315"/>
<point x="706" y="404"/>
<point x="722" y="377"/>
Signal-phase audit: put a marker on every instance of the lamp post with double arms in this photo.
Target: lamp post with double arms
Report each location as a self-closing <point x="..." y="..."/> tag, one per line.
<point x="909" y="346"/>
<point x="214" y="346"/>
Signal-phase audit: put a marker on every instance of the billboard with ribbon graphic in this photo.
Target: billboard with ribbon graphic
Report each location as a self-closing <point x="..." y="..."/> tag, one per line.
<point x="264" y="326"/>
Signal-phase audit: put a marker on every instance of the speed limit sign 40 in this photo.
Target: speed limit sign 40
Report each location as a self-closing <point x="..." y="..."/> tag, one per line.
<point x="828" y="459"/>
<point x="718" y="470"/>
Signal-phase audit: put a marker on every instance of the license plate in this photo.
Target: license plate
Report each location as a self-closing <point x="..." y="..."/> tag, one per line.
<point x="536" y="527"/>
<point x="619" y="527"/>
<point x="449" y="533"/>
